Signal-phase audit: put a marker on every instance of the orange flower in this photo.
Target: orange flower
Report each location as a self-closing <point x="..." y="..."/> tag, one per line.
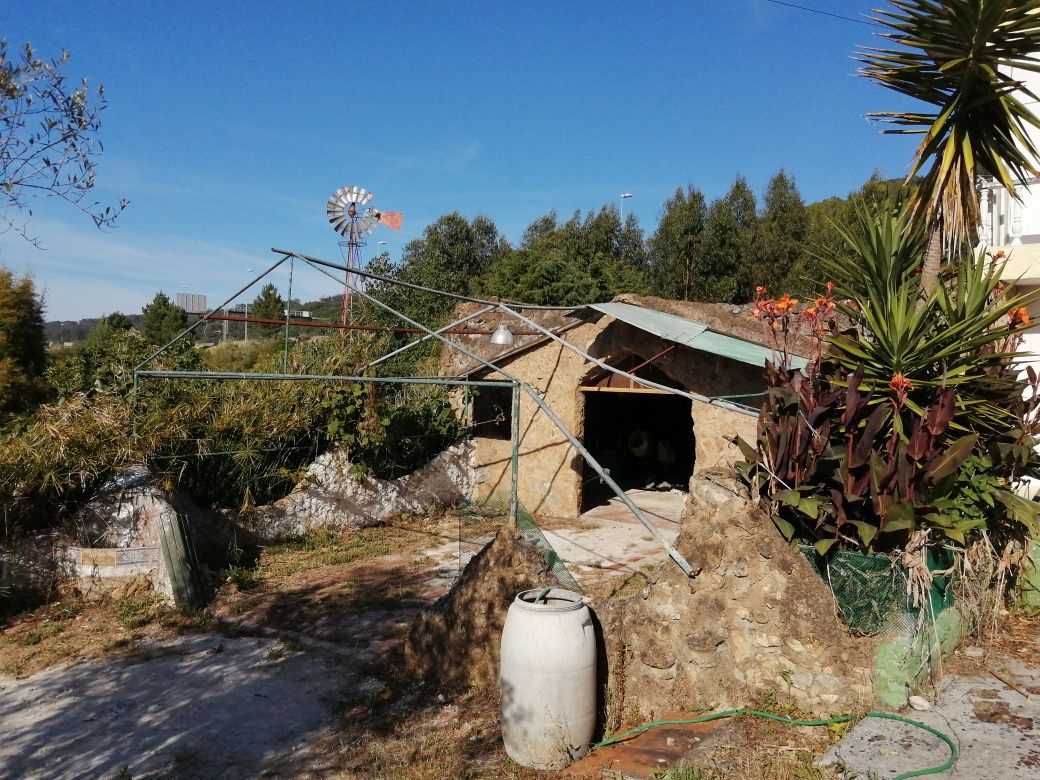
<point x="809" y="312"/>
<point x="830" y="287"/>
<point x="999" y="255"/>
<point x="760" y="290"/>
<point x="901" y="385"/>
<point x="1019" y="318"/>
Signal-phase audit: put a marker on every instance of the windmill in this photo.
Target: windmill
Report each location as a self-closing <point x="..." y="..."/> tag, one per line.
<point x="351" y="217"/>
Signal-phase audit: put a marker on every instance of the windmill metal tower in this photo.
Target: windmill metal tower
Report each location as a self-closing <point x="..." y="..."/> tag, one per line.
<point x="345" y="213"/>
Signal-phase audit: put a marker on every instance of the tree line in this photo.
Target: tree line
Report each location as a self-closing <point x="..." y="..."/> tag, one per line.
<point x="716" y="251"/>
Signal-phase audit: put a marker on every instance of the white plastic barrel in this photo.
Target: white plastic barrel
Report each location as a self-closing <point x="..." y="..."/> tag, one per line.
<point x="548" y="678"/>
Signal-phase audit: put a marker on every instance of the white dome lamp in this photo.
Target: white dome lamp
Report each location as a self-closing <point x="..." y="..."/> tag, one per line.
<point x="503" y="336"/>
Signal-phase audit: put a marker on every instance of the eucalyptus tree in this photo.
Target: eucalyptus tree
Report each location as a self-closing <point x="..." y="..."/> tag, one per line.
<point x="677" y="247"/>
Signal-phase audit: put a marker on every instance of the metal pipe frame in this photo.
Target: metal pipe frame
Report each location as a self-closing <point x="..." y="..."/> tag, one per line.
<point x="674" y="554"/>
<point x="419" y="341"/>
<point x="316" y="261"/>
<point x="188" y="330"/>
<point x="631" y="377"/>
<point x="390" y="380"/>
<point x="514" y="461"/>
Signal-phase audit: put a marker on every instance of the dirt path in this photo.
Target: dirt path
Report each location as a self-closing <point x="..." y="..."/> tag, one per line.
<point x="200" y="706"/>
<point x="212" y="704"/>
<point x="989" y="704"/>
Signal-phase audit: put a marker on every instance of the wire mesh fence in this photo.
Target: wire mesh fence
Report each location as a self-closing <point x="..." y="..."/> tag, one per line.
<point x="528" y="528"/>
<point x="873" y="592"/>
<point x="479" y="523"/>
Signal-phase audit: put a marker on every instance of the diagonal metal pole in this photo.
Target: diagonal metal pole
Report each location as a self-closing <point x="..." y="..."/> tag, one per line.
<point x="186" y="331"/>
<point x="674" y="554"/>
<point x="425" y="338"/>
<point x="514" y="460"/>
<point x="317" y="261"/>
<point x="205" y="317"/>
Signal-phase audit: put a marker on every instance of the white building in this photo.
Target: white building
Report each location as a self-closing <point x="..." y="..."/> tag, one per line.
<point x="1014" y="227"/>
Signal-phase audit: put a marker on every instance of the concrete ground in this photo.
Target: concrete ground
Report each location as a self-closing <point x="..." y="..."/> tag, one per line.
<point x="203" y="706"/>
<point x="608" y="539"/>
<point x="995" y="725"/>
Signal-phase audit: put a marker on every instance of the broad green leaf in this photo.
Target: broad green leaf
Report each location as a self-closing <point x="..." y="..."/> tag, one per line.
<point x="785" y="528"/>
<point x="788" y="497"/>
<point x="900" y="517"/>
<point x="865" y="531"/>
<point x="824" y="545"/>
<point x="950" y="460"/>
<point x="809" y="506"/>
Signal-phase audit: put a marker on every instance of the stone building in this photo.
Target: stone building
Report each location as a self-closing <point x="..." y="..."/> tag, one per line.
<point x="645" y="437"/>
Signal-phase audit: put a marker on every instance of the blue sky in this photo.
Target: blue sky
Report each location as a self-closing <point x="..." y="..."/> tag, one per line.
<point x="229" y="124"/>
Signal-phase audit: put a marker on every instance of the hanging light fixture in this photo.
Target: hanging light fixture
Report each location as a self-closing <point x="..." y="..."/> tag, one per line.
<point x="502" y="336"/>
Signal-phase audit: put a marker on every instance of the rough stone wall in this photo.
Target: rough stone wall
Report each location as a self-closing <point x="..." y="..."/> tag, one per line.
<point x="551" y="470"/>
<point x="329" y="496"/>
<point x="756" y="619"/>
<point x="455" y="643"/>
<point x="129" y="534"/>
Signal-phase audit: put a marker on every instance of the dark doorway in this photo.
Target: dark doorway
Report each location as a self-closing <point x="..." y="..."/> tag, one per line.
<point x="643" y="438"/>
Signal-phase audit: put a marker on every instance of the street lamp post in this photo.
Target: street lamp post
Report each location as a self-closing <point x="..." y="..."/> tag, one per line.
<point x="245" y="335"/>
<point x="624" y="196"/>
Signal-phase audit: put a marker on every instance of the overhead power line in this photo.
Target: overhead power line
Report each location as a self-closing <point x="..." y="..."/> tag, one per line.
<point x="823" y="13"/>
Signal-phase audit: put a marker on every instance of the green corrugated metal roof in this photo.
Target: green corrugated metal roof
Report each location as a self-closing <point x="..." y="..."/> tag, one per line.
<point x="691" y="333"/>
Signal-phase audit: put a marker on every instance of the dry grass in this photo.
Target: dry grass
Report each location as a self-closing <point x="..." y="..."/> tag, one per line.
<point x="71" y="630"/>
<point x="304" y="583"/>
<point x="407" y="738"/>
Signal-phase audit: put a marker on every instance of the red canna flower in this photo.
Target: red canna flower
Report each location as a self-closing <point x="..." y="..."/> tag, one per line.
<point x="1019" y="318"/>
<point x="901" y="385"/>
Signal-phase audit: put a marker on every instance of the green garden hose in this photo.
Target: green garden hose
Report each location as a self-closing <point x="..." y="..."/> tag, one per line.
<point x="932" y="770"/>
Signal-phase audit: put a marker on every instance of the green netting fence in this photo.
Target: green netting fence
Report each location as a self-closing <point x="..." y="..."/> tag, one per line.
<point x="480" y="521"/>
<point x="872" y="592"/>
<point x="529" y="529"/>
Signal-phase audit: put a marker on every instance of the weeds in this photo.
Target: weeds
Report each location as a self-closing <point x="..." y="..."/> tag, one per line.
<point x="683" y="771"/>
<point x="243" y="577"/>
<point x="135" y="613"/>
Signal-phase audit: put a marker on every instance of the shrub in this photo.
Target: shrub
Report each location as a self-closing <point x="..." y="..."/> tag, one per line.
<point x="911" y="415"/>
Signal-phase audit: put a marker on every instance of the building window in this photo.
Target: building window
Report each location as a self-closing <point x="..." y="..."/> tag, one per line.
<point x="493" y="412"/>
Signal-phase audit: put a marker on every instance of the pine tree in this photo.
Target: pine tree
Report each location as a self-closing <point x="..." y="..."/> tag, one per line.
<point x="729" y="232"/>
<point x="161" y="320"/>
<point x="780" y="235"/>
<point x="268" y="305"/>
<point x="586" y="259"/>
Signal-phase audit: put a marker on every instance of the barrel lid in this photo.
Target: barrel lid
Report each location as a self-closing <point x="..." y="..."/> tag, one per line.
<point x="549" y="600"/>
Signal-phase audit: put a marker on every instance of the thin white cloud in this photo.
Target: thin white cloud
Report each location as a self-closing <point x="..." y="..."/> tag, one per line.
<point x="85" y="272"/>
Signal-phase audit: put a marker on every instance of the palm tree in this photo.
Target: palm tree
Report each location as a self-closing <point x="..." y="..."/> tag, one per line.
<point x="959" y="56"/>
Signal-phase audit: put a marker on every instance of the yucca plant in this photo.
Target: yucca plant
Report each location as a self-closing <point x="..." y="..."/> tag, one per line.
<point x="958" y="336"/>
<point x="960" y="57"/>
